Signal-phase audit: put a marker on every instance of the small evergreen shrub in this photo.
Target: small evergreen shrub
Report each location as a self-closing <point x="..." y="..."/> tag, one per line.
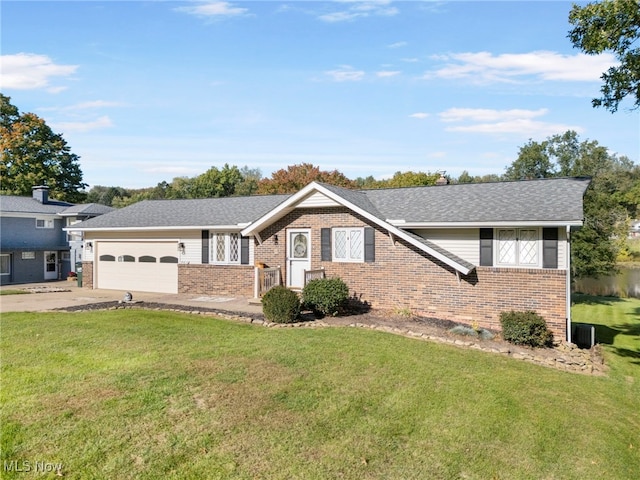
<point x="525" y="328"/>
<point x="281" y="305"/>
<point x="325" y="295"/>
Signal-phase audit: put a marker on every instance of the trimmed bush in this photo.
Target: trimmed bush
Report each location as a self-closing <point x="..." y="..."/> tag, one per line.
<point x="525" y="328"/>
<point x="281" y="305"/>
<point x="325" y="295"/>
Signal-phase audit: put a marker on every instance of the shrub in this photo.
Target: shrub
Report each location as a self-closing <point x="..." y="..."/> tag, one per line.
<point x="325" y="295"/>
<point x="525" y="328"/>
<point x="281" y="305"/>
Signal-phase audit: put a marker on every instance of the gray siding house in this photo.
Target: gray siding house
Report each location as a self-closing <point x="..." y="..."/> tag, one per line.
<point x="33" y="245"/>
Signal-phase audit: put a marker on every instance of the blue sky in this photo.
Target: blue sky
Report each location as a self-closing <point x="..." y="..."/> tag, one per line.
<point x="148" y="91"/>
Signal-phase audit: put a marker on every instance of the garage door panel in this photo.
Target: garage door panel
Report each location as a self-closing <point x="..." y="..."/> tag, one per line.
<point x="138" y="266"/>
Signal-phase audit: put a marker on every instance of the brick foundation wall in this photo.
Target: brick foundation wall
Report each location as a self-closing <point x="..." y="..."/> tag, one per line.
<point x="403" y="277"/>
<point x="216" y="279"/>
<point x="87" y="275"/>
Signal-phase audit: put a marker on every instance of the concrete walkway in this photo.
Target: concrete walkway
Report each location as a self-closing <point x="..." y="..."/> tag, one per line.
<point x="64" y="294"/>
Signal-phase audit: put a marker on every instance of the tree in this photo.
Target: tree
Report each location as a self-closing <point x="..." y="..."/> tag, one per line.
<point x="611" y="25"/>
<point x="216" y="183"/>
<point x="295" y="177"/>
<point x="596" y="245"/>
<point x="33" y="155"/>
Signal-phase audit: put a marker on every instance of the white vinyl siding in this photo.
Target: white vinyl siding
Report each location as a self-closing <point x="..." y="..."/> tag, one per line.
<point x="462" y="242"/>
<point x="348" y="244"/>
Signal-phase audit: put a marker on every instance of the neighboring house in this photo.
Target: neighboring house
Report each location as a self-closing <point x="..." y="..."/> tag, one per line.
<point x="634" y="229"/>
<point x="465" y="252"/>
<point x="33" y="245"/>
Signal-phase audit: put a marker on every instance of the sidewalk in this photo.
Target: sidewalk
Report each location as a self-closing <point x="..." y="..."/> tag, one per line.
<point x="63" y="294"/>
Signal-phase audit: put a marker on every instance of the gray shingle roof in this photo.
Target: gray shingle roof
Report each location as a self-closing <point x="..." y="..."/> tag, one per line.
<point x="187" y="213"/>
<point x="86" y="209"/>
<point x="12" y="203"/>
<point x="544" y="200"/>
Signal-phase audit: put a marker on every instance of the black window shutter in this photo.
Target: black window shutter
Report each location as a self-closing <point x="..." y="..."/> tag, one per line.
<point x="244" y="250"/>
<point x="369" y="245"/>
<point x="205" y="246"/>
<point x="549" y="248"/>
<point x="325" y="244"/>
<point x="486" y="247"/>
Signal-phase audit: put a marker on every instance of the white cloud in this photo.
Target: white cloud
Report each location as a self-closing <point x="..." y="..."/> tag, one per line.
<point x="213" y="9"/>
<point x="397" y="45"/>
<point x="488" y="115"/>
<point x="360" y="9"/>
<point x="503" y="122"/>
<point x="387" y="73"/>
<point x="345" y="73"/>
<point x="419" y="115"/>
<point x="485" y="67"/>
<point x="97" y="124"/>
<point x="30" y="71"/>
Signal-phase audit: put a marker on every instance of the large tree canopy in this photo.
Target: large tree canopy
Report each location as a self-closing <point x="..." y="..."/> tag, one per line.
<point x="611" y="25"/>
<point x="609" y="201"/>
<point x="33" y="155"/>
<point x="295" y="177"/>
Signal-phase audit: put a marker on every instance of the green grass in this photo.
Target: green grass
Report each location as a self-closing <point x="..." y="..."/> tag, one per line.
<point x="137" y="394"/>
<point x="12" y="291"/>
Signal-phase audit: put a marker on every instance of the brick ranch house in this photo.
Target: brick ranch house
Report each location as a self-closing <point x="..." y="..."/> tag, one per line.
<point x="464" y="252"/>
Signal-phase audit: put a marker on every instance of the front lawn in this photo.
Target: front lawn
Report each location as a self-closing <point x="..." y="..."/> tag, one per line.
<point x="147" y="394"/>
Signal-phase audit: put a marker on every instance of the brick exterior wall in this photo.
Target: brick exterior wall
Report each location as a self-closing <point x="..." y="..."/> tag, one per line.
<point x="87" y="275"/>
<point x="216" y="279"/>
<point x="403" y="277"/>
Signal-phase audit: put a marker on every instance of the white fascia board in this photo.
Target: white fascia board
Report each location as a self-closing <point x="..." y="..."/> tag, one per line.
<point x="414" y="225"/>
<point x="29" y="215"/>
<point x="229" y="228"/>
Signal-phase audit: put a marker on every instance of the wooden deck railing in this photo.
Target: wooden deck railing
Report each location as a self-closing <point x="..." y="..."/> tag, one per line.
<point x="267" y="279"/>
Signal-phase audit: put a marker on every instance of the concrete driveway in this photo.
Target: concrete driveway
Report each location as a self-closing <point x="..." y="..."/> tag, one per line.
<point x="63" y="294"/>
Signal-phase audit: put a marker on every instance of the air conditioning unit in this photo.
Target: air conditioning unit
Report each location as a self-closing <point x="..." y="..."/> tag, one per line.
<point x="583" y="335"/>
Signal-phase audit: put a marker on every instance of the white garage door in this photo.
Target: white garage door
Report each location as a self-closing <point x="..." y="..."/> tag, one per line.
<point x="137" y="266"/>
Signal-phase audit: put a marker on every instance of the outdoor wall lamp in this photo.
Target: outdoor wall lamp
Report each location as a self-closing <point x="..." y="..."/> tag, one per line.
<point x="89" y="246"/>
<point x="275" y="239"/>
<point x="181" y="247"/>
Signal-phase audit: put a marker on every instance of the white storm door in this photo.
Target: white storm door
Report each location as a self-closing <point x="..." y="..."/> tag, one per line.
<point x="298" y="256"/>
<point x="50" y="265"/>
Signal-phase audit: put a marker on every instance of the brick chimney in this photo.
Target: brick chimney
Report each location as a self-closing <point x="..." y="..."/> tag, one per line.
<point x="41" y="193"/>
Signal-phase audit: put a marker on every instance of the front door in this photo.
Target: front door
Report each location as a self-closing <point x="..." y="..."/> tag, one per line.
<point x="50" y="265"/>
<point x="298" y="256"/>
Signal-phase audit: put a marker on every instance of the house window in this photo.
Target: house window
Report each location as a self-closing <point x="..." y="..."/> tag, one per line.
<point x="44" y="223"/>
<point x="518" y="247"/>
<point x="28" y="255"/>
<point x="348" y="244"/>
<point x="5" y="264"/>
<point x="225" y="248"/>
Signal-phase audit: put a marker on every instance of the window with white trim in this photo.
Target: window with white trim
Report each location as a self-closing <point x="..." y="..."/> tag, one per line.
<point x="348" y="245"/>
<point x="5" y="264"/>
<point x="518" y="247"/>
<point x="225" y="248"/>
<point x="44" y="223"/>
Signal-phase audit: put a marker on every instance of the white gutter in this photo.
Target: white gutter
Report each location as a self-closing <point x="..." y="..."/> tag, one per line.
<point x="145" y="229"/>
<point x="568" y="286"/>
<point x="415" y="225"/>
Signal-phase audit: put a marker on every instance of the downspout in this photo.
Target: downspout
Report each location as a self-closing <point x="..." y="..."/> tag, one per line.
<point x="568" y="276"/>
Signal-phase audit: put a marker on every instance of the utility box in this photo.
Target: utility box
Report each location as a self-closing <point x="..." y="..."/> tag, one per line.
<point x="79" y="273"/>
<point x="584" y="335"/>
